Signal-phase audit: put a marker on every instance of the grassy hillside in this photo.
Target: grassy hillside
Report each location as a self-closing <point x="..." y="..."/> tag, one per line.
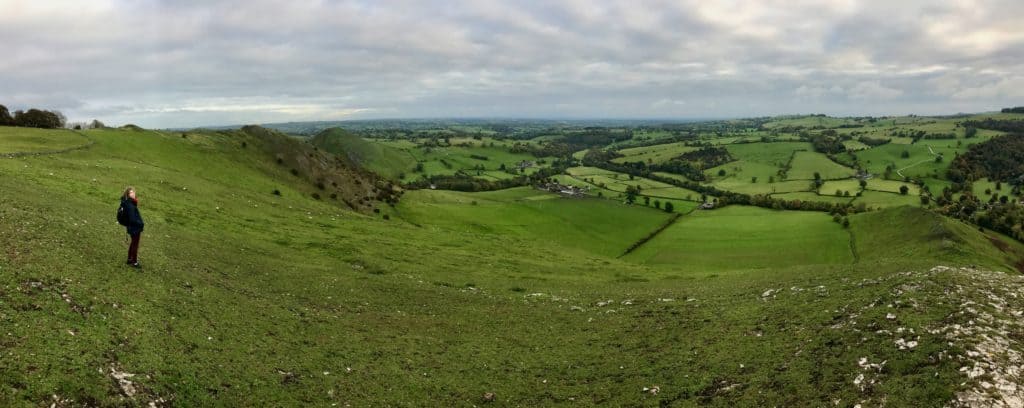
<point x="248" y="298"/>
<point x="377" y="157"/>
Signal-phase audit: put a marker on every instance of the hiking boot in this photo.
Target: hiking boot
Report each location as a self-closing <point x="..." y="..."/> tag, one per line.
<point x="135" y="265"/>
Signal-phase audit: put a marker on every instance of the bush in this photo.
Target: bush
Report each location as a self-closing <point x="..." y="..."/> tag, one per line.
<point x="277" y="192"/>
<point x="387" y="217"/>
<point x="669" y="207"/>
<point x="295" y="172"/>
<point x="316" y="196"/>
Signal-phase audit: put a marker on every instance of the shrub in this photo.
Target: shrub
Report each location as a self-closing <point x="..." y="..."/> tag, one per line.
<point x="316" y="196"/>
<point x="277" y="192"/>
<point x="295" y="172"/>
<point x="244" y="145"/>
<point x="387" y="217"/>
<point x="334" y="196"/>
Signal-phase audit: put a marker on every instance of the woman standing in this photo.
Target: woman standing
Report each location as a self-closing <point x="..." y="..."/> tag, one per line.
<point x="134" y="224"/>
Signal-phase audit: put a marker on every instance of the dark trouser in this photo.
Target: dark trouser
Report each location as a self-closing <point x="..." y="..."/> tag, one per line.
<point x="133" y="249"/>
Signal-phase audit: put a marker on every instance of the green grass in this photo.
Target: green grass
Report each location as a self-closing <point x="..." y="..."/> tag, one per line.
<point x="619" y="183"/>
<point x="655" y="154"/>
<point x="877" y="199"/>
<point x="31" y="140"/>
<point x="980" y="187"/>
<point x="599" y="227"/>
<point x="805" y="164"/>
<point x="812" y="196"/>
<point x="855" y="145"/>
<point x="893" y="186"/>
<point x="738" y="237"/>
<point x="762" y="161"/>
<point x="253" y="299"/>
<point x="464" y="154"/>
<point x="849" y="185"/>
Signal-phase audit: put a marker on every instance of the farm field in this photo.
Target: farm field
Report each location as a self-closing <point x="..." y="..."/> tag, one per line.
<point x="618" y="183"/>
<point x="848" y="185"/>
<point x="653" y="154"/>
<point x="738" y="237"/>
<point x="805" y="164"/>
<point x="812" y="196"/>
<point x="893" y="186"/>
<point x="877" y="199"/>
<point x="600" y="227"/>
<point x="762" y="186"/>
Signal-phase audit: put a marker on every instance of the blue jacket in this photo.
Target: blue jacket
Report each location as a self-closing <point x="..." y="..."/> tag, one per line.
<point x="135" y="223"/>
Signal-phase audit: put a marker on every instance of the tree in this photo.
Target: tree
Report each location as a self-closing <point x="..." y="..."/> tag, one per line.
<point x="96" y="124"/>
<point x="669" y="207"/>
<point x="657" y="204"/>
<point x="846" y="222"/>
<point x="863" y="184"/>
<point x="905" y="154"/>
<point x="5" y="117"/>
<point x="647" y="200"/>
<point x="970" y="131"/>
<point x="904" y="190"/>
<point x="631" y="194"/>
<point x="38" y="119"/>
<point x="721" y="172"/>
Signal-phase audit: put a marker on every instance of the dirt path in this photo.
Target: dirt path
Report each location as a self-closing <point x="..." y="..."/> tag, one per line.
<point x="900" y="171"/>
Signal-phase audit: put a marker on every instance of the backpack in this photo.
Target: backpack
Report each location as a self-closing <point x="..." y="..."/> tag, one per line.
<point x="122" y="215"/>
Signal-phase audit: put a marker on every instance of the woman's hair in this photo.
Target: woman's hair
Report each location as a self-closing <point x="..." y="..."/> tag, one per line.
<point x="126" y="191"/>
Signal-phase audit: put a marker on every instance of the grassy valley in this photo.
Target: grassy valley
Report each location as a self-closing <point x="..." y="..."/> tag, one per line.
<point x="334" y="268"/>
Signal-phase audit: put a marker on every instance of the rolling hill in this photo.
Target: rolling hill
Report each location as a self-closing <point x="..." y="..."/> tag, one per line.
<point x="249" y="297"/>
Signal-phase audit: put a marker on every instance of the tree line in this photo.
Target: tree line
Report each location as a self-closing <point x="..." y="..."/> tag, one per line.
<point x="1000" y="158"/>
<point x="33" y="118"/>
<point x="1016" y="126"/>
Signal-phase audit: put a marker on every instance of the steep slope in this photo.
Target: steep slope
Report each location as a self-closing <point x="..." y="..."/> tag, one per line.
<point x="336" y="177"/>
<point x="381" y="159"/>
<point x="911" y="235"/>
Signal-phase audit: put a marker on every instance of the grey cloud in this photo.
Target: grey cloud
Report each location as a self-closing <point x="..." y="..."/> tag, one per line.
<point x="183" y="63"/>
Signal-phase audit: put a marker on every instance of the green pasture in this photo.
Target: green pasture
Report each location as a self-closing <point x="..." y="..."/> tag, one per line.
<point x="737" y="237"/>
<point x="805" y="164"/>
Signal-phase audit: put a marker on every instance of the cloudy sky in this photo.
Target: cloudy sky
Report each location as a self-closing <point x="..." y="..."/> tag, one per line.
<point x="192" y="62"/>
